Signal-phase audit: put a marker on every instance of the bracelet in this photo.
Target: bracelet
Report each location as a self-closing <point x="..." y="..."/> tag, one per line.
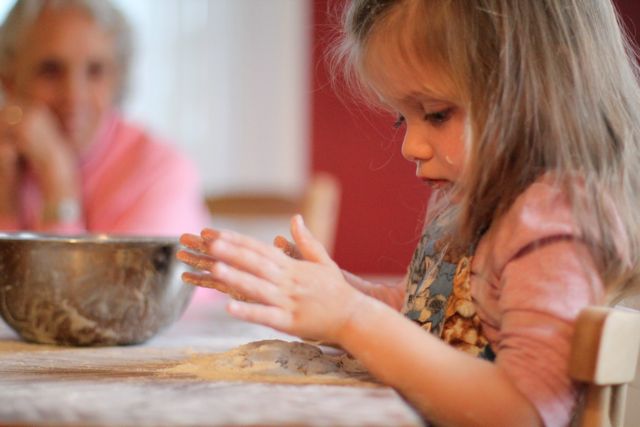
<point x="64" y="212"/>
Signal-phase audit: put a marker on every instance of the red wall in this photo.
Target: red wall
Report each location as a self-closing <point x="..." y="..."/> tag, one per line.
<point x="630" y="11"/>
<point x="382" y="204"/>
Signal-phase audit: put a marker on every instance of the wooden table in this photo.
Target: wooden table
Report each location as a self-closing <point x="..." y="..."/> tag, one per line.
<point x="121" y="386"/>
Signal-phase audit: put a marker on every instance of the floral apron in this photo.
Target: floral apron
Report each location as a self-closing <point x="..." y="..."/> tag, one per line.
<point x="438" y="294"/>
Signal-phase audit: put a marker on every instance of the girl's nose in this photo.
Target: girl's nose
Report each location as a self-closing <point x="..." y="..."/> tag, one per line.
<point x="415" y="146"/>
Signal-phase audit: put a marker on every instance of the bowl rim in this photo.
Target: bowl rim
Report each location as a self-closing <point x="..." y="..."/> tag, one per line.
<point x="93" y="238"/>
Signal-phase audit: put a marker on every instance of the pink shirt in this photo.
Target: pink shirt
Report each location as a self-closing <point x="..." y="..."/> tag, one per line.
<point x="131" y="184"/>
<point x="530" y="276"/>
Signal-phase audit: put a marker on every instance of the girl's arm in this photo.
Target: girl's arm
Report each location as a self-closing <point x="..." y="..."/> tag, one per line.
<point x="448" y="387"/>
<point x="314" y="300"/>
<point x="392" y="294"/>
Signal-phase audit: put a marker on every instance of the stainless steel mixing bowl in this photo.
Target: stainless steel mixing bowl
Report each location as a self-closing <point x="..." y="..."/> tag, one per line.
<point x="92" y="290"/>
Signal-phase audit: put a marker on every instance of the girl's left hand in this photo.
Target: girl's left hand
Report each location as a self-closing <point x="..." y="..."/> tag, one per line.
<point x="197" y="256"/>
<point x="308" y="298"/>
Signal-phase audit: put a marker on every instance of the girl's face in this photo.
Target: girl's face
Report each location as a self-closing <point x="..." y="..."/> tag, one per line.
<point x="67" y="63"/>
<point x="434" y="135"/>
<point x="433" y="120"/>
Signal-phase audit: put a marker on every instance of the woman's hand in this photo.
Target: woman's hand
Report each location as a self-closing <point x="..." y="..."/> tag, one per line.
<point x="30" y="134"/>
<point x="10" y="178"/>
<point x="308" y="298"/>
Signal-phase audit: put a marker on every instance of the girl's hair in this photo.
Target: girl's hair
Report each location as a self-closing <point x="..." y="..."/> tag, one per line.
<point x="550" y="86"/>
<point x="25" y="13"/>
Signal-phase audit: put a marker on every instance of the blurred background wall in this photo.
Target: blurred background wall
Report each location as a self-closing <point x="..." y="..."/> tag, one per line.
<point x="227" y="80"/>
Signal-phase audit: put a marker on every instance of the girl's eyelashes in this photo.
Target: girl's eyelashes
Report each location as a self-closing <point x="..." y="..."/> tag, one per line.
<point x="439" y="117"/>
<point x="399" y="121"/>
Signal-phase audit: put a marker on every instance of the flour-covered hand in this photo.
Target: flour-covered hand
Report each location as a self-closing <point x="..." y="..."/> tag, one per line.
<point x="308" y="298"/>
<point x="196" y="255"/>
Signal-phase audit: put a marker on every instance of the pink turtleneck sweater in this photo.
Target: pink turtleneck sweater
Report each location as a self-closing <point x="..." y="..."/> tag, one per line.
<point x="132" y="184"/>
<point x="530" y="276"/>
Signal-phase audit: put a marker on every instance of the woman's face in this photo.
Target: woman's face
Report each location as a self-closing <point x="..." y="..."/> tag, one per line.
<point x="67" y="62"/>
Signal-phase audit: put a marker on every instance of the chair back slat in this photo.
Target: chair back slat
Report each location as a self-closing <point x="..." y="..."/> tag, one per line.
<point x="604" y="355"/>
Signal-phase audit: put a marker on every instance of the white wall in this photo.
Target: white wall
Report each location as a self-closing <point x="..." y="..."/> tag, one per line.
<point x="227" y="80"/>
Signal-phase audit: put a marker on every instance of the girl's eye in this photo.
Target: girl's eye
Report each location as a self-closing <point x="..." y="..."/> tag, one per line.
<point x="439" y="117"/>
<point x="399" y="121"/>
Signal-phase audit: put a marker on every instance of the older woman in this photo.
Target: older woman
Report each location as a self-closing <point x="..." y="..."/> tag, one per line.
<point x="68" y="162"/>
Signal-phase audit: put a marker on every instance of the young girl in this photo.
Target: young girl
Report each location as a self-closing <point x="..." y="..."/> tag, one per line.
<point x="523" y="116"/>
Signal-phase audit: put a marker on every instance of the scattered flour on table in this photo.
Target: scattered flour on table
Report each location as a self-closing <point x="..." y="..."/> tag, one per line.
<point x="275" y="361"/>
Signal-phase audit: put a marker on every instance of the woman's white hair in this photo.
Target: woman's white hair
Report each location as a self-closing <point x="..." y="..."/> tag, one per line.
<point x="25" y="12"/>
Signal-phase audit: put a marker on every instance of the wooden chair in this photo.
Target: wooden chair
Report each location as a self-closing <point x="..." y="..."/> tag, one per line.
<point x="319" y="205"/>
<point x="603" y="356"/>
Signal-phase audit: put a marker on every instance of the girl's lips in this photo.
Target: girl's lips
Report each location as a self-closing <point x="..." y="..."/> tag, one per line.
<point x="437" y="184"/>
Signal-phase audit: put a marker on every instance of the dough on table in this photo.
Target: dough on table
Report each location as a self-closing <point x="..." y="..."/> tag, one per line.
<point x="276" y="361"/>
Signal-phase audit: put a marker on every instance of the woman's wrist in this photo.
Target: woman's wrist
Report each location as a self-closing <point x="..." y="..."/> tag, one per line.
<point x="66" y="210"/>
<point x="60" y="185"/>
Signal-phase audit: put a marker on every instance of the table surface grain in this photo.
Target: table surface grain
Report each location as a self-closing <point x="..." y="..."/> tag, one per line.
<point x="122" y="386"/>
